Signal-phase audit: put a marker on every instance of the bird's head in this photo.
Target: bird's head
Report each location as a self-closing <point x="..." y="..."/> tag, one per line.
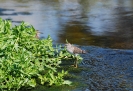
<point x="38" y="32"/>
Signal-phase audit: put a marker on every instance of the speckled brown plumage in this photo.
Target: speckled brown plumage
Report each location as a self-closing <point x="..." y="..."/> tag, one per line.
<point x="74" y="50"/>
<point x="78" y="50"/>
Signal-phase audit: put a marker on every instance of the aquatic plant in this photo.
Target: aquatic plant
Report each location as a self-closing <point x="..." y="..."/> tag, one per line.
<point x="26" y="61"/>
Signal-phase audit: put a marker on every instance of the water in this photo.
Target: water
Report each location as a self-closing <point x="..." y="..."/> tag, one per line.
<point x="105" y="23"/>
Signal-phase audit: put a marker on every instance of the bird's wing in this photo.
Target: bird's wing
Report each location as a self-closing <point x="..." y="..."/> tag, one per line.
<point x="77" y="50"/>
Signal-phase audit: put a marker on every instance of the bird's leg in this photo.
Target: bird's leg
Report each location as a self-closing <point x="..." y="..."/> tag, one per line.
<point x="76" y="63"/>
<point x="73" y="64"/>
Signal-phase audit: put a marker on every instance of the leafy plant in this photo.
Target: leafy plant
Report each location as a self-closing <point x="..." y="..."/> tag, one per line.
<point x="26" y="61"/>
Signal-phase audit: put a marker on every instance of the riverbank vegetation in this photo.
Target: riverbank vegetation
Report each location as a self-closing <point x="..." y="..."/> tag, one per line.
<point x="26" y="61"/>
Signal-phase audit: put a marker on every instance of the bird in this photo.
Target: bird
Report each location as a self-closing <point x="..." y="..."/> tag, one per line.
<point x="74" y="50"/>
<point x="38" y="34"/>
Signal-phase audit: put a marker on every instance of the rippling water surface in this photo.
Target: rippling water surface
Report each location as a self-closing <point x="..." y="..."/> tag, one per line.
<point x="105" y="23"/>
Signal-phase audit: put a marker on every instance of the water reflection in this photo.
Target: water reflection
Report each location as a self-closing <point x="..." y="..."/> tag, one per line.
<point x="84" y="22"/>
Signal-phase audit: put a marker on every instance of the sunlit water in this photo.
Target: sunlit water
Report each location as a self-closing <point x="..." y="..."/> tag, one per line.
<point x="105" y="23"/>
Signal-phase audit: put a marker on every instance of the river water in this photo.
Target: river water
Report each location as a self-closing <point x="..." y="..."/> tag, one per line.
<point x="104" y="23"/>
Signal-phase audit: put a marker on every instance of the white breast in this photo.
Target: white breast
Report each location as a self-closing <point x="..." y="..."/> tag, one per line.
<point x="70" y="48"/>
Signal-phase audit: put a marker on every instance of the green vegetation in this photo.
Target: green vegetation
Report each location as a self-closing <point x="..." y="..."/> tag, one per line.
<point x="26" y="61"/>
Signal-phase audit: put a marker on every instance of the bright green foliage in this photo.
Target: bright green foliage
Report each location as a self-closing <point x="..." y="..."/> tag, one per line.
<point x="25" y="60"/>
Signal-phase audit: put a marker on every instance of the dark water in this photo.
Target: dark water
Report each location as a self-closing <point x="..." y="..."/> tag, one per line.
<point x="105" y="23"/>
<point x="110" y="69"/>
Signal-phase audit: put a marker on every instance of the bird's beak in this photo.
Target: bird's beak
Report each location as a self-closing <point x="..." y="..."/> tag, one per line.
<point x="40" y="32"/>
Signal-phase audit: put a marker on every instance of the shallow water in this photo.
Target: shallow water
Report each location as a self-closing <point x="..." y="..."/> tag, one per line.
<point x="105" y="23"/>
<point x="110" y="69"/>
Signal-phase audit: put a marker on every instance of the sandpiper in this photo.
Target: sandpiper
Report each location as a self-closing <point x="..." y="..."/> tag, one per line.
<point x="74" y="50"/>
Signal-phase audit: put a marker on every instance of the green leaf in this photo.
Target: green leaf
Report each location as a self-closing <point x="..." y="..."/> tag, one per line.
<point x="67" y="82"/>
<point x="32" y="82"/>
<point x="67" y="41"/>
